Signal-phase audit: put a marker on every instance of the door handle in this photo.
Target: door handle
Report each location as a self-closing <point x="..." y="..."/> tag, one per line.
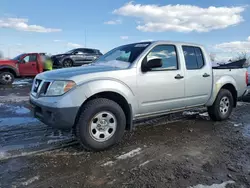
<point x="206" y="75"/>
<point x="178" y="76"/>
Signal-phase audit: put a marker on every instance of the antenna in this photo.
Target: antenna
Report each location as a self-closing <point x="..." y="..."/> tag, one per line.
<point x="85" y="38"/>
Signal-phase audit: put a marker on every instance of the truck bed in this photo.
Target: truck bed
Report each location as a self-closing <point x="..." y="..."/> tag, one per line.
<point x="236" y="75"/>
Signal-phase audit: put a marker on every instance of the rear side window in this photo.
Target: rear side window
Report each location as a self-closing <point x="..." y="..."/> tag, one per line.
<point x="193" y="57"/>
<point x="98" y="52"/>
<point x="89" y="51"/>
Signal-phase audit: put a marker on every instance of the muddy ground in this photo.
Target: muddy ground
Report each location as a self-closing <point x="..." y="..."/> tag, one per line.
<point x="173" y="151"/>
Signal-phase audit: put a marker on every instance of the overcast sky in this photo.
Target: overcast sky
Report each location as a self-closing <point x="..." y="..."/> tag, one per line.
<point x="57" y="26"/>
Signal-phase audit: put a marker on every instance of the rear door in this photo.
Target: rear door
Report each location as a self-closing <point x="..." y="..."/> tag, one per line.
<point x="198" y="76"/>
<point x="28" y="65"/>
<point x="90" y="55"/>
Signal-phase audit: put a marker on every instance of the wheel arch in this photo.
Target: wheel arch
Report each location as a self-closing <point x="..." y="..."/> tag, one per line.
<point x="116" y="97"/>
<point x="9" y="69"/>
<point x="230" y="87"/>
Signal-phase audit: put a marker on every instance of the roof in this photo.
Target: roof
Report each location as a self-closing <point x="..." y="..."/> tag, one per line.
<point x="177" y="42"/>
<point x="85" y="49"/>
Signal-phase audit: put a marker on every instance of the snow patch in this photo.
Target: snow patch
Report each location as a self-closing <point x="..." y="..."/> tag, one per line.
<point x="237" y="124"/>
<point x="21" y="110"/>
<point x="2" y="154"/>
<point x="15" y="109"/>
<point x="31" y="180"/>
<point x="109" y="163"/>
<point x="223" y="185"/>
<point x="14" y="98"/>
<point x="189" y="113"/>
<point x="16" y="121"/>
<point x="241" y="103"/>
<point x="129" y="154"/>
<point x="143" y="164"/>
<point x="205" y="114"/>
<point x="124" y="156"/>
<point x="22" y="82"/>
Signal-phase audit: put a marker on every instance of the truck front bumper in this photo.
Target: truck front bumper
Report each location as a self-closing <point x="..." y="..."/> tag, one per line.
<point x="60" y="118"/>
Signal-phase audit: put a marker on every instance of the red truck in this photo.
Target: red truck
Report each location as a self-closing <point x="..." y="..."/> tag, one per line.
<point x="28" y="64"/>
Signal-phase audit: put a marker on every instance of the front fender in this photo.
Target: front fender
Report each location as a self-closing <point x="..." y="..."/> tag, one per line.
<point x="14" y="69"/>
<point x="218" y="85"/>
<point x="93" y="87"/>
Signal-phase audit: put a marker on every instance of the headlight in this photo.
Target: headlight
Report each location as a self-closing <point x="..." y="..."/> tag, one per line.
<point x="60" y="87"/>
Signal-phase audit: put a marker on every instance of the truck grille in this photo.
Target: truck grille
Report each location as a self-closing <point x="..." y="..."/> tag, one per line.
<point x="40" y="87"/>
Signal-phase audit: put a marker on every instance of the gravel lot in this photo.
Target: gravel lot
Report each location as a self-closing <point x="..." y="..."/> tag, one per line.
<point x="184" y="150"/>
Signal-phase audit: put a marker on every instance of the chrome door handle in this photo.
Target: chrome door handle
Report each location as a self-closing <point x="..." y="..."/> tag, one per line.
<point x="206" y="75"/>
<point x="178" y="76"/>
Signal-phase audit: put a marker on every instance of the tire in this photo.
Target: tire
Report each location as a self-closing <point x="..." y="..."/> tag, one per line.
<point x="67" y="63"/>
<point x="93" y="115"/>
<point x="222" y="107"/>
<point x="6" y="78"/>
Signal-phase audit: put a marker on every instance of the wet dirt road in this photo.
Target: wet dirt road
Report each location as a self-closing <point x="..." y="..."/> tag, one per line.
<point x="187" y="151"/>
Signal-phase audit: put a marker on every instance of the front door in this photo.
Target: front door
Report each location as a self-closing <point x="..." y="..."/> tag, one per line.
<point x="28" y="65"/>
<point x="78" y="57"/>
<point x="161" y="89"/>
<point x="198" y="76"/>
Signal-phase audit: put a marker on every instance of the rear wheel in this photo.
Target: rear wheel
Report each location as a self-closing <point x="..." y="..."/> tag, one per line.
<point x="101" y="124"/>
<point x="67" y="63"/>
<point x="6" y="78"/>
<point x="222" y="107"/>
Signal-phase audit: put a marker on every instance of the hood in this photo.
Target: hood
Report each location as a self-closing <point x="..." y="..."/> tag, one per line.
<point x="70" y="73"/>
<point x="7" y="61"/>
<point x="59" y="55"/>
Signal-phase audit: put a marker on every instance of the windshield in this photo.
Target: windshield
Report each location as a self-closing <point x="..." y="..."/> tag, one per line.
<point x="18" y="57"/>
<point x="70" y="52"/>
<point x="127" y="53"/>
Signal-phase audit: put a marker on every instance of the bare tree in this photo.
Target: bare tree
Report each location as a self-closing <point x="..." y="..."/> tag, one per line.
<point x="241" y="56"/>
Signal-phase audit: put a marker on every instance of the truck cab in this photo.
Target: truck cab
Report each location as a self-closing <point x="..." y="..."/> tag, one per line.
<point x="28" y="64"/>
<point x="134" y="81"/>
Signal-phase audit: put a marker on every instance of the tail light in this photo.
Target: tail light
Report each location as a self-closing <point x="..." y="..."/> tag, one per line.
<point x="247" y="78"/>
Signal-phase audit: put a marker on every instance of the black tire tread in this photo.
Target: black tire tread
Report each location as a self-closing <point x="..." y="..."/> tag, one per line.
<point x="13" y="77"/>
<point x="213" y="110"/>
<point x="69" y="60"/>
<point x="85" y="110"/>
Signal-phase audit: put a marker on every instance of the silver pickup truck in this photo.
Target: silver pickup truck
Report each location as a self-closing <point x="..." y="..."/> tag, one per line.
<point x="100" y="101"/>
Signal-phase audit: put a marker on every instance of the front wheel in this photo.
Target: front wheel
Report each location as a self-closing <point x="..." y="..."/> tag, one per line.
<point x="6" y="78"/>
<point x="101" y="124"/>
<point x="67" y="63"/>
<point x="222" y="107"/>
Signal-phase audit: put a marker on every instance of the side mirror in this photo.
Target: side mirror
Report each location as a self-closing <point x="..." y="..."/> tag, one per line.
<point x="153" y="63"/>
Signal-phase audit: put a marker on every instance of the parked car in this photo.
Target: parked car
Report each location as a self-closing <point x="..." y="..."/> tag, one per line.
<point x="101" y="100"/>
<point x="28" y="64"/>
<point x="75" y="57"/>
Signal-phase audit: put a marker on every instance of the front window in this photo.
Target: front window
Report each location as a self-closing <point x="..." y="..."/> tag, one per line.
<point x="168" y="55"/>
<point x="127" y="53"/>
<point x="18" y="57"/>
<point x="70" y="52"/>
